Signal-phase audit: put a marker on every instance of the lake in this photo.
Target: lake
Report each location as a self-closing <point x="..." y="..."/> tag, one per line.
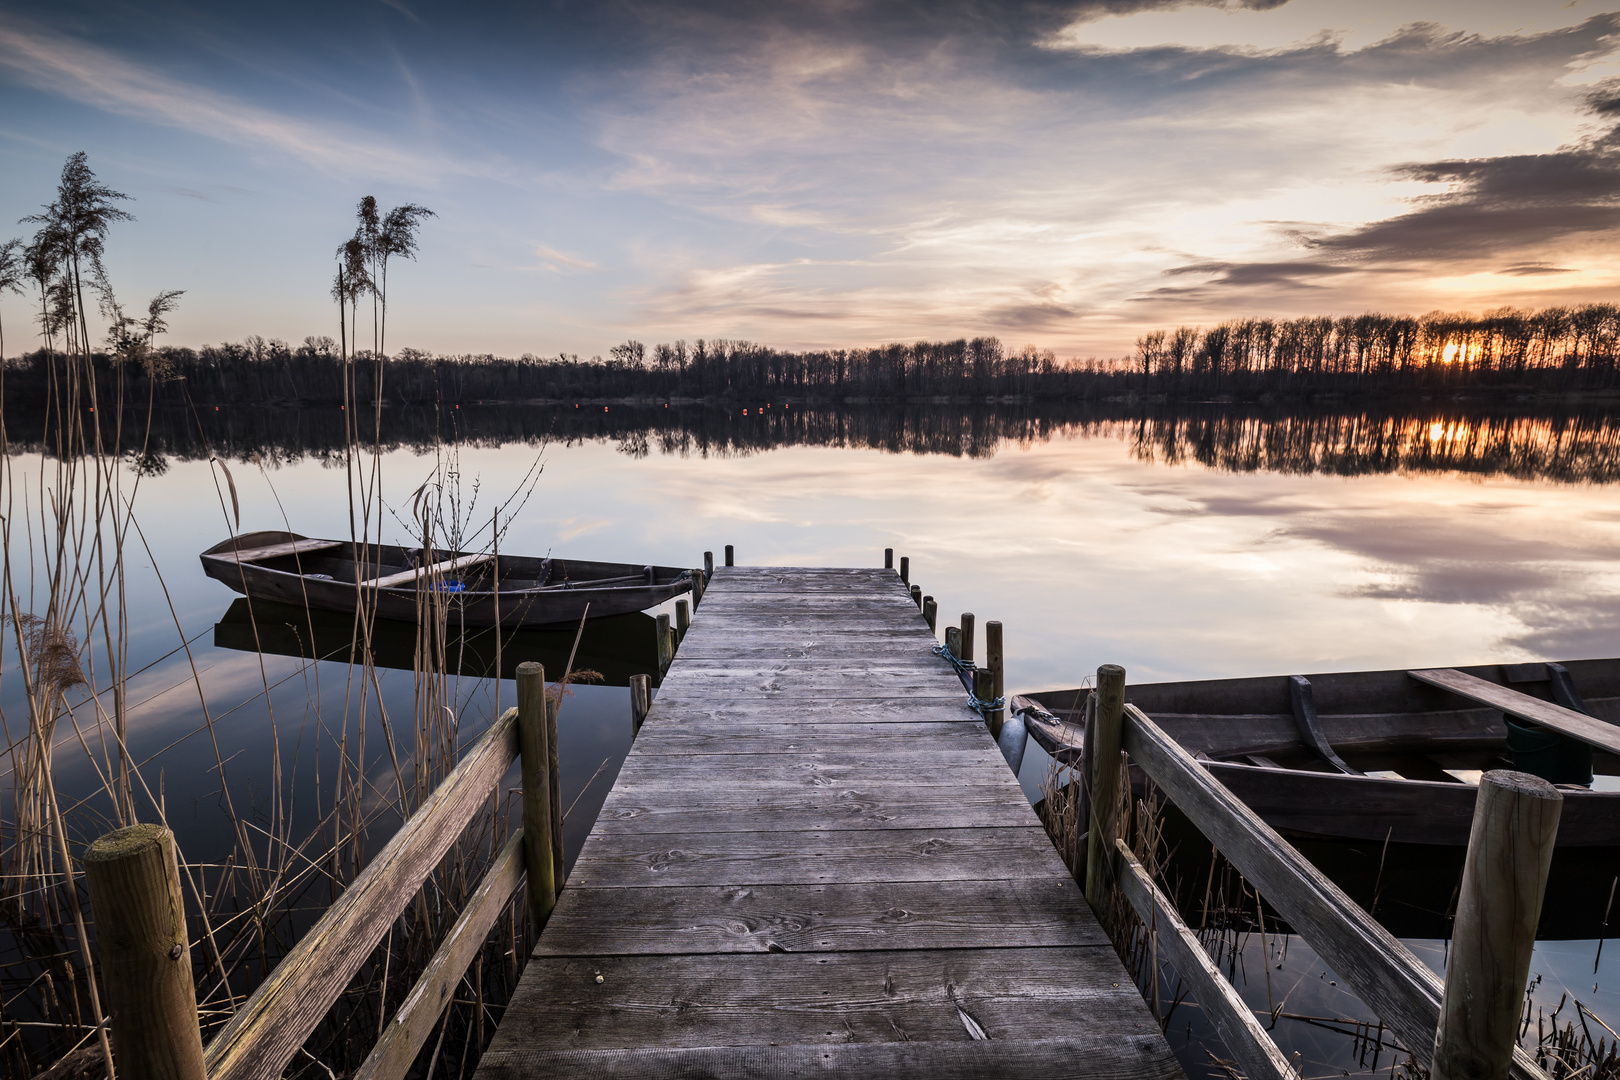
<point x="1210" y="543"/>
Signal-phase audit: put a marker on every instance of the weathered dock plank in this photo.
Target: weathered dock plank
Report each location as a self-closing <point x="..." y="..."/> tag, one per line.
<point x="815" y="860"/>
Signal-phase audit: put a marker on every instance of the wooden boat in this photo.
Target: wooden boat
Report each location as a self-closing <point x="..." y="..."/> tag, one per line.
<point x="1383" y="755"/>
<point x="524" y="592"/>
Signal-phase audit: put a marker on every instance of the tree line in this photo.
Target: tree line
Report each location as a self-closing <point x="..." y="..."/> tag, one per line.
<point x="1555" y="349"/>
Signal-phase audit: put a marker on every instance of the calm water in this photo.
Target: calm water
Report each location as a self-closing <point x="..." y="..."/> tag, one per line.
<point x="1180" y="549"/>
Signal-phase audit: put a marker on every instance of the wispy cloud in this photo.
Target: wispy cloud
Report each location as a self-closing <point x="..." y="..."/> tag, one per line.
<point x="94" y="76"/>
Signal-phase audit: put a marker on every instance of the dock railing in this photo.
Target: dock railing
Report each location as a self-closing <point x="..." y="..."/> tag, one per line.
<point x="1463" y="1026"/>
<point x="134" y="887"/>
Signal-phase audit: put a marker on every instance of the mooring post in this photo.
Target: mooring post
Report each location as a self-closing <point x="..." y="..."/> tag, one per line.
<point x="967" y="637"/>
<point x="665" y="653"/>
<point x="554" y="760"/>
<point x="708" y="564"/>
<point x="697" y="587"/>
<point x="683" y="619"/>
<point x="1102" y="780"/>
<point x="916" y="596"/>
<point x="905" y="569"/>
<point x="981" y="691"/>
<point x="640" y="702"/>
<point x="930" y="612"/>
<point x="953" y="641"/>
<point x="993" y="661"/>
<point x="134" y="883"/>
<point x="1510" y="847"/>
<point x="731" y="556"/>
<point x="534" y="753"/>
<point x="888" y="558"/>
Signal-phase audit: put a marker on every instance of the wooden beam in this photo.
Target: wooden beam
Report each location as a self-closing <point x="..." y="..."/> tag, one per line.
<point x="274" y="551"/>
<point x="1234" y="1021"/>
<point x="419" y="1013"/>
<point x="1382" y="972"/>
<point x="1524" y="707"/>
<point x="449" y="566"/>
<point x="273" y="1023"/>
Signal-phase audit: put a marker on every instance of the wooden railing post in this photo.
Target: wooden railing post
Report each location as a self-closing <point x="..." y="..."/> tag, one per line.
<point x="888" y="558"/>
<point x="981" y="691"/>
<point x="1102" y="780"/>
<point x="930" y="612"/>
<point x="905" y="570"/>
<point x="640" y="702"/>
<point x="683" y="619"/>
<point x="953" y="641"/>
<point x="534" y="752"/>
<point x="994" y="661"/>
<point x="665" y="653"/>
<point x="708" y="564"/>
<point x="1510" y="847"/>
<point x="916" y="596"/>
<point x="731" y="556"/>
<point x="554" y="760"/>
<point x="134" y="884"/>
<point x="697" y="587"/>
<point x="967" y="637"/>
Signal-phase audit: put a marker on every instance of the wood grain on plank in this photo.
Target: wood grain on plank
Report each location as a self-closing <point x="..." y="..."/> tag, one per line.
<point x="869" y="807"/>
<point x="1532" y="710"/>
<point x="879" y="996"/>
<point x="1104" y="1057"/>
<point x="835" y="917"/>
<point x="772" y="858"/>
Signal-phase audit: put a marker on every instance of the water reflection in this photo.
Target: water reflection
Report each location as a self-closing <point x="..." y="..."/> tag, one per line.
<point x="1564" y="445"/>
<point x="613" y="649"/>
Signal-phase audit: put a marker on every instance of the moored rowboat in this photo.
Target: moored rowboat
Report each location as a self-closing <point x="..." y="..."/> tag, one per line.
<point x="1384" y="755"/>
<point x="477" y="588"/>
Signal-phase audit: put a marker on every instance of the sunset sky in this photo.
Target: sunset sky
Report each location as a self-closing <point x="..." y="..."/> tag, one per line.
<point x="830" y="174"/>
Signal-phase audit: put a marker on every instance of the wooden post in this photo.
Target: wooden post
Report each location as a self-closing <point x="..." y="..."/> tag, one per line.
<point x="1102" y="780"/>
<point x="967" y="637"/>
<point x="554" y="759"/>
<point x="134" y="884"/>
<point x="708" y="564"/>
<point x="533" y="752"/>
<point x="665" y="653"/>
<point x="683" y="619"/>
<point x="953" y="641"/>
<point x="888" y="558"/>
<point x="930" y="612"/>
<point x="640" y="702"/>
<point x="905" y="569"/>
<point x="993" y="661"/>
<point x="1504" y="876"/>
<point x="697" y="587"/>
<point x="916" y="596"/>
<point x="981" y="690"/>
<point x="731" y="556"/>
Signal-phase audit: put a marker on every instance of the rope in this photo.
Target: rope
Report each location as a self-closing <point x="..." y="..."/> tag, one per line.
<point x="963" y="667"/>
<point x="965" y="670"/>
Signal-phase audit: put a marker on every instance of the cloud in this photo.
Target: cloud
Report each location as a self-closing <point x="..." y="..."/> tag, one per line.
<point x="96" y="77"/>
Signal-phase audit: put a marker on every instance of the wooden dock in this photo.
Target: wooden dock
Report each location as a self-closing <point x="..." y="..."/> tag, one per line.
<point x="816" y="860"/>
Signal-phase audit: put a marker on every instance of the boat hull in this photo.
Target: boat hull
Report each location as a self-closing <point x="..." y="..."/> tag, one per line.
<point x="331" y="582"/>
<point x="1378" y="721"/>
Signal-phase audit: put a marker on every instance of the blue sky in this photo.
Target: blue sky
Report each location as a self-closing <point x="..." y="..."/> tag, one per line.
<point x="829" y="174"/>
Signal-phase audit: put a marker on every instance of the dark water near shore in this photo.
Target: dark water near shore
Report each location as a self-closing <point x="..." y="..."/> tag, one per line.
<point x="1203" y="544"/>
